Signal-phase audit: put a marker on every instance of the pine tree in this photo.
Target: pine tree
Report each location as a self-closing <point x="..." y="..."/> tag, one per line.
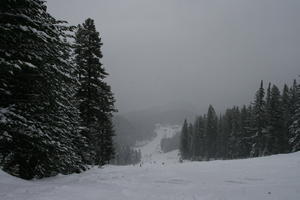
<point x="246" y="132"/>
<point x="237" y="132"/>
<point x="294" y="128"/>
<point x="259" y="117"/>
<point x="221" y="142"/>
<point x="267" y="136"/>
<point x="293" y="98"/>
<point x="95" y="96"/>
<point x="277" y="139"/>
<point x="195" y="140"/>
<point x="226" y="131"/>
<point x="211" y="132"/>
<point x="268" y="109"/>
<point x="286" y="104"/>
<point x="198" y="139"/>
<point x="38" y="121"/>
<point x="184" y="141"/>
<point x="190" y="140"/>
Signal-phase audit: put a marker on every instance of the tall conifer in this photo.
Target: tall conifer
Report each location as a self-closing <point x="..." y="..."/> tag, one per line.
<point x="38" y="121"/>
<point x="96" y="101"/>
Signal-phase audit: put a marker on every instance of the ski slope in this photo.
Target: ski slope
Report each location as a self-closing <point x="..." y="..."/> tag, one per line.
<point x="275" y="177"/>
<point x="151" y="151"/>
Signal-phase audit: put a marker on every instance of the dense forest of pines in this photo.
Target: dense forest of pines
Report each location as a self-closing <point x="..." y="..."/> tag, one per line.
<point x="125" y="155"/>
<point x="55" y="107"/>
<point x="170" y="144"/>
<point x="269" y="125"/>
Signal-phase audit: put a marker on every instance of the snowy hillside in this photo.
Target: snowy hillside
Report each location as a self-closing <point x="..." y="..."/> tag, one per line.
<point x="151" y="152"/>
<point x="273" y="177"/>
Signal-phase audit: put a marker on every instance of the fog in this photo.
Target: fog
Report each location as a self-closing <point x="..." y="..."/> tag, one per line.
<point x="195" y="52"/>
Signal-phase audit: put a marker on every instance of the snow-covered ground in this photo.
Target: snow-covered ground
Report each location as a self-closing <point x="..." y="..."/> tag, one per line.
<point x="273" y="177"/>
<point x="151" y="152"/>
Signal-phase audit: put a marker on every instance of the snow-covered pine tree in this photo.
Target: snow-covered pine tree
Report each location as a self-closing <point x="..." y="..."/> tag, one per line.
<point x="276" y="142"/>
<point x="293" y="98"/>
<point x="96" y="101"/>
<point x="194" y="140"/>
<point x="236" y="135"/>
<point x="275" y="136"/>
<point x="294" y="129"/>
<point x="38" y="126"/>
<point x="225" y="132"/>
<point x="267" y="136"/>
<point x="190" y="139"/>
<point x="221" y="140"/>
<point x="198" y="139"/>
<point x="259" y="126"/>
<point x="105" y="148"/>
<point x="184" y="141"/>
<point x="211" y="132"/>
<point x="286" y="104"/>
<point x="245" y="119"/>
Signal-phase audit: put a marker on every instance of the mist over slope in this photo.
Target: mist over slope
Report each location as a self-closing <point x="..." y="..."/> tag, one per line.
<point x="140" y="125"/>
<point x="125" y="131"/>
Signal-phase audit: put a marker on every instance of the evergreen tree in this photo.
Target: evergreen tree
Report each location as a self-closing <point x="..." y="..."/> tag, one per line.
<point x="286" y="116"/>
<point x="268" y="108"/>
<point x="195" y="139"/>
<point x="268" y="124"/>
<point x="293" y="98"/>
<point x="95" y="96"/>
<point x="225" y="132"/>
<point x="211" y="132"/>
<point x="38" y="121"/>
<point x="221" y="142"/>
<point x="198" y="139"/>
<point x="259" y="117"/>
<point x="294" y="128"/>
<point x="236" y="133"/>
<point x="190" y="140"/>
<point x="246" y="132"/>
<point x="277" y="139"/>
<point x="184" y="141"/>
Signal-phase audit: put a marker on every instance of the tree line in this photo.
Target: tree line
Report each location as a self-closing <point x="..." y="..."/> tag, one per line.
<point x="269" y="125"/>
<point x="126" y="155"/>
<point x="168" y="144"/>
<point x="55" y="107"/>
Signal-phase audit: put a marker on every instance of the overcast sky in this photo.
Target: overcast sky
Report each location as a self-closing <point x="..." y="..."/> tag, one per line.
<point x="195" y="51"/>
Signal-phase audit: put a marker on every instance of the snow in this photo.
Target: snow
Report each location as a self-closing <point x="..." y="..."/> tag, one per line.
<point x="3" y="111"/>
<point x="151" y="152"/>
<point x="273" y="177"/>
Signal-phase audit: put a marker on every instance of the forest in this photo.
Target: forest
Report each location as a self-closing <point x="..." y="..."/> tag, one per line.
<point x="269" y="125"/>
<point x="55" y="106"/>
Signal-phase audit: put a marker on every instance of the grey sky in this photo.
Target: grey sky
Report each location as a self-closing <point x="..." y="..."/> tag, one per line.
<point x="196" y="51"/>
